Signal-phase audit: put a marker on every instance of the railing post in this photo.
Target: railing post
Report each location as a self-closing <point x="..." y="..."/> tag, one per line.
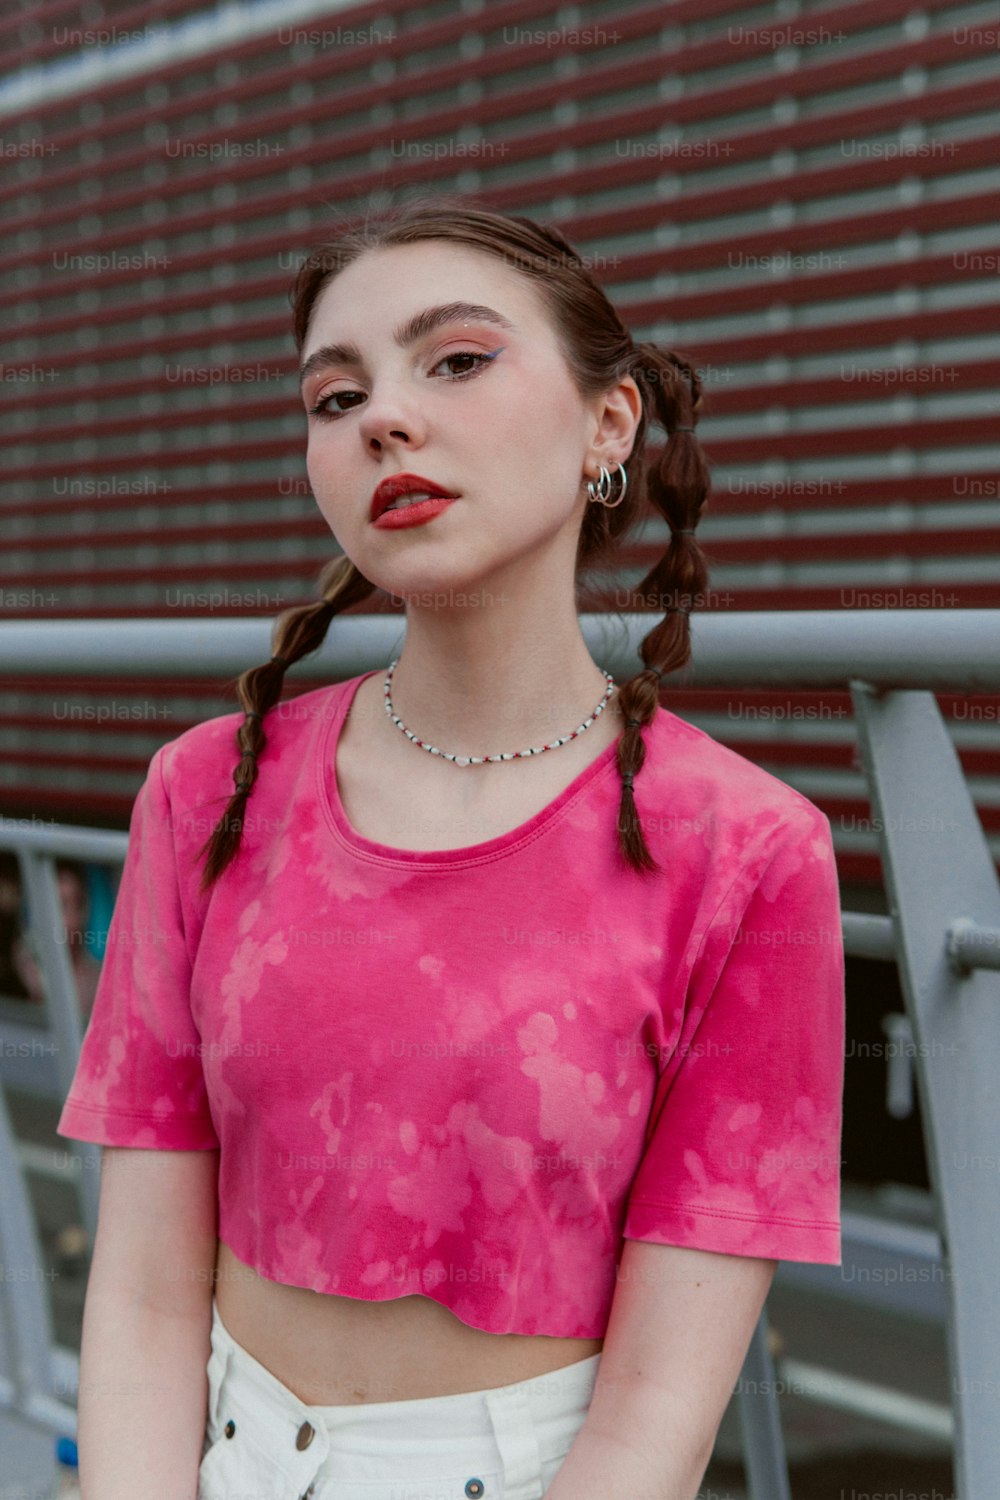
<point x="764" y="1460"/>
<point x="938" y="867"/>
<point x="62" y="1001"/>
<point x="27" y="1436"/>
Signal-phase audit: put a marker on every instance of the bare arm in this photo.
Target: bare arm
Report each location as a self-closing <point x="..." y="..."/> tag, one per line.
<point x="681" y="1323"/>
<point x="147" y="1320"/>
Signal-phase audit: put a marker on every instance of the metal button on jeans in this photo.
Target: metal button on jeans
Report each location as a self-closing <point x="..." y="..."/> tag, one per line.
<point x="474" y="1488"/>
<point x="229" y="1428"/>
<point x="305" y="1436"/>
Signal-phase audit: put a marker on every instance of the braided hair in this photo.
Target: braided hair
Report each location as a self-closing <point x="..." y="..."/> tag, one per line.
<point x="677" y="486"/>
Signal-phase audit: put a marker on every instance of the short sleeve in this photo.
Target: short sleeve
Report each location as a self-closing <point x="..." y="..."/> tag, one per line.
<point x="742" y="1150"/>
<point x="139" y="1080"/>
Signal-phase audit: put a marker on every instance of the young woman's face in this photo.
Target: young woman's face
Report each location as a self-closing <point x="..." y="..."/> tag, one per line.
<point x="488" y="412"/>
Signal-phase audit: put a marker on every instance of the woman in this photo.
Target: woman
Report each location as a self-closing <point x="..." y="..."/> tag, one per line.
<point x="517" y="1084"/>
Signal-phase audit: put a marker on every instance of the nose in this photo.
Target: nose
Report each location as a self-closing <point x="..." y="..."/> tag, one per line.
<point x="390" y="417"/>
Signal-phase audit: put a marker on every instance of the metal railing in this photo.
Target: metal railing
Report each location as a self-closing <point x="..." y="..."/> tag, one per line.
<point x="943" y="933"/>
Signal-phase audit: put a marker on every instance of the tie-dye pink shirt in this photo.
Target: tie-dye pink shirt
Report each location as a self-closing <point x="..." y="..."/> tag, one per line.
<point x="471" y="1073"/>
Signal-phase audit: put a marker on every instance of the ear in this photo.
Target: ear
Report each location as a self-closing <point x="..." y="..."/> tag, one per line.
<point x="617" y="413"/>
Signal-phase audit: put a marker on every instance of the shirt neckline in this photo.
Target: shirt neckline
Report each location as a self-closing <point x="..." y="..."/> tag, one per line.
<point x="370" y="849"/>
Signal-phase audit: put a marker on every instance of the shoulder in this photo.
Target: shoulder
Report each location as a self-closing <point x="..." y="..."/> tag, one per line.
<point x="740" y="807"/>
<point x="197" y="766"/>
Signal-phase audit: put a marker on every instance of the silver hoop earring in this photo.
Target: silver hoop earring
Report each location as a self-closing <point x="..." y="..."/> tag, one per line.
<point x="612" y="504"/>
<point x="603" y="489"/>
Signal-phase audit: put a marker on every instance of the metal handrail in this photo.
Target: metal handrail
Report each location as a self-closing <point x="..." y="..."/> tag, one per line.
<point x="952" y="650"/>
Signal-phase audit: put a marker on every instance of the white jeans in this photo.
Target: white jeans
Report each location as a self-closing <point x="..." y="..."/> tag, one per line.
<point x="263" y="1443"/>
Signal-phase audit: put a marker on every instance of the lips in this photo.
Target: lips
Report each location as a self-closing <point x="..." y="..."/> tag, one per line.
<point x="399" y="485"/>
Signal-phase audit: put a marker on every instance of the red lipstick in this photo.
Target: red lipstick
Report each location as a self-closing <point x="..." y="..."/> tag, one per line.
<point x="412" y="515"/>
<point x="399" y="485"/>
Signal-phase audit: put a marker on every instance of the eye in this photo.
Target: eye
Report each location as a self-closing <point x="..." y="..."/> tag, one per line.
<point x="320" y="409"/>
<point x="324" y="414"/>
<point x="480" y="359"/>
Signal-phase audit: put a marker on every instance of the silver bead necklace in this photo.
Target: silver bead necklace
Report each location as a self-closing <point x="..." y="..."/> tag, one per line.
<point x="481" y="760"/>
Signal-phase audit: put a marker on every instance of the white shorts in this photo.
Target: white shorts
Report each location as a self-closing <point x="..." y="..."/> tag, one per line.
<point x="263" y="1443"/>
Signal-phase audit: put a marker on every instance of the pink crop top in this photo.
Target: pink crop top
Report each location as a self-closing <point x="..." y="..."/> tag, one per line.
<point x="471" y="1073"/>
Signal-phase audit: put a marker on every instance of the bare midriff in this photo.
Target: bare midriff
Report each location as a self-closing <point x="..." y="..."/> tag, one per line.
<point x="342" y="1351"/>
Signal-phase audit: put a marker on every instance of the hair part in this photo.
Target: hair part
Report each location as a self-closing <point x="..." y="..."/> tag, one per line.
<point x="599" y="351"/>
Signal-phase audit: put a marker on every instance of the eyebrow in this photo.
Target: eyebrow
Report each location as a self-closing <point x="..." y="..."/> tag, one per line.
<point x="407" y="333"/>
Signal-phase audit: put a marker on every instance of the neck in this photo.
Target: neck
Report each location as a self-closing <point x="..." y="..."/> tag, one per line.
<point x="481" y="683"/>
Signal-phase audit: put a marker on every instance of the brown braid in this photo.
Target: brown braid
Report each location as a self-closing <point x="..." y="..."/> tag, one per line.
<point x="299" y="630"/>
<point x="677" y="485"/>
